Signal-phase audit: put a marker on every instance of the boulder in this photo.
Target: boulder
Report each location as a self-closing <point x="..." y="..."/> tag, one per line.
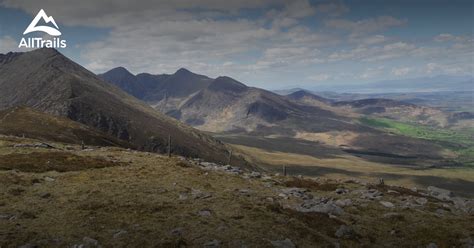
<point x="441" y="194"/>
<point x="286" y="243"/>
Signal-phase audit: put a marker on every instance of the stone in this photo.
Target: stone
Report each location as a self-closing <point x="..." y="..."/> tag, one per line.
<point x="45" y="195"/>
<point x="341" y="191"/>
<point x="198" y="194"/>
<point x="88" y="242"/>
<point x="177" y="231"/>
<point x="387" y="204"/>
<point x="204" y="213"/>
<point x="371" y="194"/>
<point x="212" y="244"/>
<point x="286" y="243"/>
<point x="49" y="179"/>
<point x="343" y="202"/>
<point x="441" y="194"/>
<point x="344" y="232"/>
<point x="255" y="174"/>
<point x="432" y="245"/>
<point x="320" y="206"/>
<point x="295" y="192"/>
<point x="421" y="201"/>
<point x="119" y="233"/>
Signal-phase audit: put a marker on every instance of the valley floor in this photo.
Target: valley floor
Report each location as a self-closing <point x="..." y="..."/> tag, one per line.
<point x="64" y="196"/>
<point x="311" y="159"/>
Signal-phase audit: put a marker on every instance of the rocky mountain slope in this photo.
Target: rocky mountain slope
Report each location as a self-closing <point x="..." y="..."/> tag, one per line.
<point x="47" y="81"/>
<point x="112" y="197"/>
<point x="27" y="122"/>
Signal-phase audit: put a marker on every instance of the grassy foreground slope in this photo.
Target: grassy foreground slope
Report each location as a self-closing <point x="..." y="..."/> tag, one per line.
<point x="138" y="199"/>
<point x="460" y="141"/>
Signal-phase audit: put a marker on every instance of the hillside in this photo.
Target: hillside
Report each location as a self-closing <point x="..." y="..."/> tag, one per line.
<point x="47" y="81"/>
<point x="112" y="197"/>
<point x="26" y="122"/>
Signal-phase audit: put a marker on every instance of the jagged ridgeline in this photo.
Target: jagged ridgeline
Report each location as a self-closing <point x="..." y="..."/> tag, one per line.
<point x="47" y="81"/>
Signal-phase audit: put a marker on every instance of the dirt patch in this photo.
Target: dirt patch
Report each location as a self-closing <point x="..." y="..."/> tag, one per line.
<point x="52" y="161"/>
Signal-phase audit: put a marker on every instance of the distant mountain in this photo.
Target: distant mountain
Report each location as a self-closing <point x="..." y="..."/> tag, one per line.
<point x="153" y="88"/>
<point x="47" y="81"/>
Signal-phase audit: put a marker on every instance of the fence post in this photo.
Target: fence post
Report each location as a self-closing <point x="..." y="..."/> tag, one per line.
<point x="284" y="170"/>
<point x="169" y="145"/>
<point x="230" y="157"/>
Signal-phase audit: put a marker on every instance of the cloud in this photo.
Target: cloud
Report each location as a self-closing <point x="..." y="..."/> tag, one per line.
<point x="402" y="71"/>
<point x="331" y="9"/>
<point x="8" y="44"/>
<point x="365" y="26"/>
<point x="372" y="72"/>
<point x="319" y="77"/>
<point x="373" y="53"/>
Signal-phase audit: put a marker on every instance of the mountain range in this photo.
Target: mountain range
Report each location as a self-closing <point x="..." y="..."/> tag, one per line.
<point x="226" y="106"/>
<point x="47" y="81"/>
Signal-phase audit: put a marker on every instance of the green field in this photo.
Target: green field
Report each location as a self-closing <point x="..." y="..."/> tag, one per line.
<point x="459" y="141"/>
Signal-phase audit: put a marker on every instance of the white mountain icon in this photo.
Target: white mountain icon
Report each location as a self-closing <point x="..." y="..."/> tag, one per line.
<point x="47" y="19"/>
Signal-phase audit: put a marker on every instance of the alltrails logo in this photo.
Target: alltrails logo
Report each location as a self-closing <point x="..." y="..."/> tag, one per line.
<point x="39" y="42"/>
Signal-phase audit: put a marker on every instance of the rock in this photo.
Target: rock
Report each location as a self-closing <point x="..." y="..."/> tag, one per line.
<point x="119" y="233"/>
<point x="204" y="213"/>
<point x="89" y="242"/>
<point x="183" y="196"/>
<point x="341" y="191"/>
<point x="394" y="192"/>
<point x="345" y="232"/>
<point x="371" y="194"/>
<point x="49" y="179"/>
<point x="197" y="194"/>
<point x="387" y="204"/>
<point x="45" y="195"/>
<point x="295" y="192"/>
<point x="319" y="206"/>
<point x="421" y="201"/>
<point x="441" y="194"/>
<point x="177" y="231"/>
<point x="35" y="145"/>
<point x="432" y="245"/>
<point x="463" y="205"/>
<point x="255" y="174"/>
<point x="212" y="244"/>
<point x="286" y="243"/>
<point x="245" y="192"/>
<point x="343" y="202"/>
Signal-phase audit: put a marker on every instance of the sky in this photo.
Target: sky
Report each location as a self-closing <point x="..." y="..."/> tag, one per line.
<point x="272" y="44"/>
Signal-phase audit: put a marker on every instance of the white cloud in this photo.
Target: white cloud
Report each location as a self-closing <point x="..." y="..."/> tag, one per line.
<point x="319" y="77"/>
<point x="331" y="8"/>
<point x="372" y="72"/>
<point x="374" y="53"/>
<point x="365" y="26"/>
<point x="401" y="71"/>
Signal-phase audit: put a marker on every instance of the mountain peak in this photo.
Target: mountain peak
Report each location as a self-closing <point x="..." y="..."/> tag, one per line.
<point x="119" y="70"/>
<point x="183" y="71"/>
<point x="227" y="84"/>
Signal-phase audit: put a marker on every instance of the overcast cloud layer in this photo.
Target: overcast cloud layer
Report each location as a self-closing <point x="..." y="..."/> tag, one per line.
<point x="271" y="44"/>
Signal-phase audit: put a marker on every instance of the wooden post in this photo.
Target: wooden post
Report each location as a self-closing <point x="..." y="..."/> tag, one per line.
<point x="284" y="170"/>
<point x="229" y="159"/>
<point x="83" y="146"/>
<point x="169" y="145"/>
